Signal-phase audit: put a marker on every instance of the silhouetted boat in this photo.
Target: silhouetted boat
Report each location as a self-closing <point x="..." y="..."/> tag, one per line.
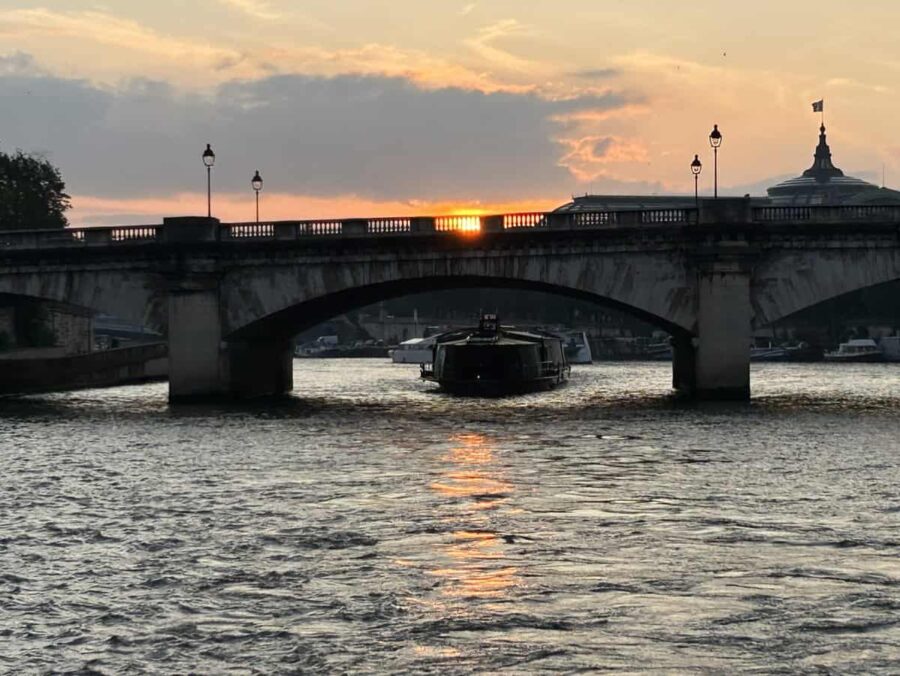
<point x="857" y="350"/>
<point x="496" y="360"/>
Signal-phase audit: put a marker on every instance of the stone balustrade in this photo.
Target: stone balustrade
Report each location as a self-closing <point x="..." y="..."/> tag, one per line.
<point x="728" y="211"/>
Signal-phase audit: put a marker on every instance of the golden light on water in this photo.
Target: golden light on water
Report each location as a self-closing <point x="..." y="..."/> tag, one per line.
<point x="472" y="485"/>
<point x="476" y="561"/>
<point x="472" y="449"/>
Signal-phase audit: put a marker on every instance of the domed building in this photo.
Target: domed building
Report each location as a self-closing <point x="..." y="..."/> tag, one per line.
<point x="822" y="184"/>
<point x="825" y="184"/>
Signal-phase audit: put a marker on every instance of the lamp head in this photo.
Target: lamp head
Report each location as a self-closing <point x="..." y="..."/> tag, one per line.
<point x="715" y="137"/>
<point x="209" y="157"/>
<point x="696" y="166"/>
<point x="256" y="181"/>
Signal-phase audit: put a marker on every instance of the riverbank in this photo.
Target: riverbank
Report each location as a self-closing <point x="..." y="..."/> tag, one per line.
<point x="104" y="368"/>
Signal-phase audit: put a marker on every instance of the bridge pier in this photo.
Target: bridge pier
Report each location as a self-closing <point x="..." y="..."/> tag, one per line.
<point x="722" y="357"/>
<point x="197" y="368"/>
<point x="204" y="366"/>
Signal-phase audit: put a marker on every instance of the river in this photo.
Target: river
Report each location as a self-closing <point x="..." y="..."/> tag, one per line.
<point x="368" y="524"/>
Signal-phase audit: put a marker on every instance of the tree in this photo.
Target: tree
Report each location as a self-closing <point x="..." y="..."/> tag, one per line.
<point x="32" y="193"/>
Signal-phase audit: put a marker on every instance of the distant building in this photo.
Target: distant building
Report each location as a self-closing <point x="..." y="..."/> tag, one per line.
<point x="825" y="184"/>
<point x="821" y="184"/>
<point x="627" y="203"/>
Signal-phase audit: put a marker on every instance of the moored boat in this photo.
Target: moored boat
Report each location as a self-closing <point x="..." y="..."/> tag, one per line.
<point x="578" y="348"/>
<point x="856" y="350"/>
<point x="414" y="351"/>
<point x="769" y="352"/>
<point x="492" y="360"/>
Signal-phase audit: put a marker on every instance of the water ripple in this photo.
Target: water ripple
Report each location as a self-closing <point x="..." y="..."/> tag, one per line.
<point x="369" y="524"/>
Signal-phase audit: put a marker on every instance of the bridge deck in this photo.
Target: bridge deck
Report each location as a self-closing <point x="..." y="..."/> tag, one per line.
<point x="825" y="220"/>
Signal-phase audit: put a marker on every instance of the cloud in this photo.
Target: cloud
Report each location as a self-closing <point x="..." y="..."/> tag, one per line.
<point x="586" y="117"/>
<point x="597" y="73"/>
<point x="19" y="63"/>
<point x="591" y="157"/>
<point x="484" y="45"/>
<point x="379" y="138"/>
<point x="468" y="9"/>
<point x="425" y="70"/>
<point x="258" y="9"/>
<point x="192" y="62"/>
<point x="112" y="31"/>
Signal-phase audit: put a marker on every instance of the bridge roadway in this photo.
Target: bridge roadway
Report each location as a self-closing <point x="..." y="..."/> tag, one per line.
<point x="231" y="296"/>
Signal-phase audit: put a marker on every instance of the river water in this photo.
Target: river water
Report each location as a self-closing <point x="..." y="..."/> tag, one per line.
<point x="368" y="524"/>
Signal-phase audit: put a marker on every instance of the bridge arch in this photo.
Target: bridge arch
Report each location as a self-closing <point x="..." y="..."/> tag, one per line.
<point x="129" y="295"/>
<point x="308" y="313"/>
<point x="789" y="282"/>
<point x="283" y="300"/>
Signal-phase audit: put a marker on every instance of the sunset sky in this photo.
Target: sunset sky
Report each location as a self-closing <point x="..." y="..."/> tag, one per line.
<point x="353" y="108"/>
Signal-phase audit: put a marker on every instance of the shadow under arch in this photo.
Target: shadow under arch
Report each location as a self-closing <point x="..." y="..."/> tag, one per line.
<point x="138" y="301"/>
<point x="13" y="299"/>
<point x="891" y="287"/>
<point x="790" y="284"/>
<point x="306" y="314"/>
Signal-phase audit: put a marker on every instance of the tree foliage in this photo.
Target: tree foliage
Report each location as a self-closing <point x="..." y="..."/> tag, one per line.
<point x="32" y="193"/>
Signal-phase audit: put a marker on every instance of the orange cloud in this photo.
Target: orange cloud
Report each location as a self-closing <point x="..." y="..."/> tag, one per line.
<point x="589" y="157"/>
<point x="425" y="70"/>
<point x="589" y="116"/>
<point x="192" y="61"/>
<point x="253" y="8"/>
<point x="112" y="31"/>
<point x="484" y="45"/>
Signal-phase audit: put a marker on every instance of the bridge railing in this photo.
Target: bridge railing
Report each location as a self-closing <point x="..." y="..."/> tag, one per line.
<point x="185" y="230"/>
<point x="79" y="237"/>
<point x="873" y="213"/>
<point x="463" y="224"/>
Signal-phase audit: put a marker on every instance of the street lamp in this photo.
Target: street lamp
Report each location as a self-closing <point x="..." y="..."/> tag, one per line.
<point x="256" y="182"/>
<point x="695" y="170"/>
<point x="209" y="159"/>
<point x="715" y="140"/>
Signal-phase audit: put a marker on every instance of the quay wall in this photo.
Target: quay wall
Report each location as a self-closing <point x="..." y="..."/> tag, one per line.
<point x="106" y="368"/>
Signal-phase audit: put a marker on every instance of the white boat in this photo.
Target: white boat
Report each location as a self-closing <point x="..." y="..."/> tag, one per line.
<point x="856" y="350"/>
<point x="578" y="349"/>
<point x="768" y="352"/>
<point x="414" y="351"/>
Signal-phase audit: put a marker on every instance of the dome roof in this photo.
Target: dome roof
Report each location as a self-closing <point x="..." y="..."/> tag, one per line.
<point x="822" y="183"/>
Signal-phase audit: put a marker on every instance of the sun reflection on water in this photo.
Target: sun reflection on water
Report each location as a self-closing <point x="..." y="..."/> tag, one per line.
<point x="476" y="562"/>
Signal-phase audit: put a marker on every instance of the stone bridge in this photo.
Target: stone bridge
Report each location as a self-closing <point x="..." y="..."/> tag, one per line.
<point x="231" y="296"/>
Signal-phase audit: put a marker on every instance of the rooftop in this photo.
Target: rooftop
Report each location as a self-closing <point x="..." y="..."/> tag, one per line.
<point x="823" y="183"/>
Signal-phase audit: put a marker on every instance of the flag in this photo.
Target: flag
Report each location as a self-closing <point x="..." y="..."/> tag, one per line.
<point x="818" y="106"/>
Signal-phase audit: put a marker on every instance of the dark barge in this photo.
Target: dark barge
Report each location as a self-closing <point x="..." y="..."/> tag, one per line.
<point x="494" y="360"/>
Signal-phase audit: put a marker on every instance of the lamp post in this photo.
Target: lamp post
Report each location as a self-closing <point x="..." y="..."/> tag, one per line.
<point x="695" y="170"/>
<point x="715" y="140"/>
<point x="209" y="159"/>
<point x="256" y="182"/>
